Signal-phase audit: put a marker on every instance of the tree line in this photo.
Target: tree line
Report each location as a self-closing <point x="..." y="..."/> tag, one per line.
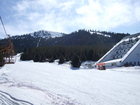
<point x="75" y="54"/>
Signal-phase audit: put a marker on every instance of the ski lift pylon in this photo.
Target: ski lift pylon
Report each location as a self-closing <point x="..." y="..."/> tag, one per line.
<point x="7" y="50"/>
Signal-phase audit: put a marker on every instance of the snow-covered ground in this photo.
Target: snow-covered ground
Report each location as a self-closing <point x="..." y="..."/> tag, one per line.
<point x="53" y="84"/>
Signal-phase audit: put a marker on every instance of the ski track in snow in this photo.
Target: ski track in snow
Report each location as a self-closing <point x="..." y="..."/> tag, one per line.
<point x="7" y="99"/>
<point x="56" y="99"/>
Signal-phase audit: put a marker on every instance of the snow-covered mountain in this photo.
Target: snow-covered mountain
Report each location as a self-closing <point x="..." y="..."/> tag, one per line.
<point x="41" y="33"/>
<point x="46" y="34"/>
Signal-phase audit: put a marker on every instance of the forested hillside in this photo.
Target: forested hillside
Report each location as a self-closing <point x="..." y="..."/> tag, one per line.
<point x="76" y="54"/>
<point x="80" y="37"/>
<point x="80" y="45"/>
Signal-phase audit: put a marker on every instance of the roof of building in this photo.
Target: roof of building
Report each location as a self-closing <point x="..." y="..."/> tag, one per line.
<point x="131" y="36"/>
<point x="115" y="60"/>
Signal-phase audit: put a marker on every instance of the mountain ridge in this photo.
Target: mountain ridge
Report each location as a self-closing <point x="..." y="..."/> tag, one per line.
<point x="84" y="37"/>
<point x="41" y="33"/>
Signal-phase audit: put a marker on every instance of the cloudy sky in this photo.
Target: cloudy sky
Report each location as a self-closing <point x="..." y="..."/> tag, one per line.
<point x="24" y="16"/>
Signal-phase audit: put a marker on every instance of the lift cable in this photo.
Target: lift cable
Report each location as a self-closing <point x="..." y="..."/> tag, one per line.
<point x="3" y="26"/>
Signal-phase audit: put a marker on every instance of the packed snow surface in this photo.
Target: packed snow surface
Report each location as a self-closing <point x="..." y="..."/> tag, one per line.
<point x="29" y="83"/>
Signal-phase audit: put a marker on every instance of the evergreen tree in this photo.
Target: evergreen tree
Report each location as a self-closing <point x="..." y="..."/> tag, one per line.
<point x="61" y="60"/>
<point x="1" y="60"/>
<point x="90" y="55"/>
<point x="36" y="58"/>
<point x="42" y="58"/>
<point x="24" y="56"/>
<point x="83" y="57"/>
<point x="76" y="62"/>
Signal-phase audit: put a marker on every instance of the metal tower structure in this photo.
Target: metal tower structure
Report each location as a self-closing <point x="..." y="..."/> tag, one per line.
<point x="7" y="50"/>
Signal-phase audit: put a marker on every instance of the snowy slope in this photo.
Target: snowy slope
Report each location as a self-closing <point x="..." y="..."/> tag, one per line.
<point x="99" y="33"/>
<point x="46" y="34"/>
<point x="40" y="34"/>
<point x="53" y="84"/>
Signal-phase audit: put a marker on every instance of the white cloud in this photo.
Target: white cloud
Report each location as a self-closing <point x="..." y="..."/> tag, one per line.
<point x="21" y="7"/>
<point x="107" y="15"/>
<point x="45" y="14"/>
<point x="71" y="15"/>
<point x="67" y="5"/>
<point x="137" y="11"/>
<point x="117" y="14"/>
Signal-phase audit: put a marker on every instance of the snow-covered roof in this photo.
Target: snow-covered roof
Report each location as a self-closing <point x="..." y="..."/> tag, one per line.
<point x="113" y="61"/>
<point x="132" y="36"/>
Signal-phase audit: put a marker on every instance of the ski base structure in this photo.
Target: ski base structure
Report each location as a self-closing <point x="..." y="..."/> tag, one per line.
<point x="7" y="54"/>
<point x="124" y="53"/>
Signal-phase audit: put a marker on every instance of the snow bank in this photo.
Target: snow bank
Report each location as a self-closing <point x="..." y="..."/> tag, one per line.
<point x="53" y="84"/>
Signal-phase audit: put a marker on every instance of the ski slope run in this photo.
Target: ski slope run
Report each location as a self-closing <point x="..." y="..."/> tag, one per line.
<point x="29" y="83"/>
